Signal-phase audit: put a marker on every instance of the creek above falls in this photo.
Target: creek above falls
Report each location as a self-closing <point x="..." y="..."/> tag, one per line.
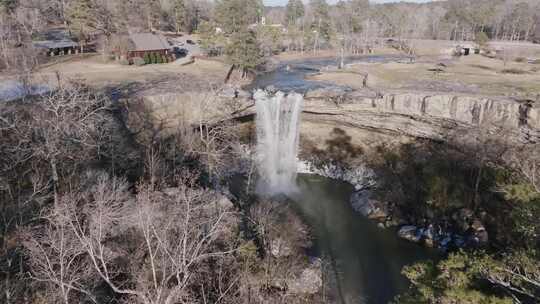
<point x="291" y="75"/>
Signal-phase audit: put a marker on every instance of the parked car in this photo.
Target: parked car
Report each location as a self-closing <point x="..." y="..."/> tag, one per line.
<point x="180" y="52"/>
<point x="189" y="41"/>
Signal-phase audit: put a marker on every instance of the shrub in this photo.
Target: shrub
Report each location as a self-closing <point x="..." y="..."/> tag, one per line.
<point x="514" y="71"/>
<point x="147" y="59"/>
<point x="153" y="58"/>
<point x="138" y="61"/>
<point x="159" y="59"/>
<point x="482" y="39"/>
<point x="123" y="61"/>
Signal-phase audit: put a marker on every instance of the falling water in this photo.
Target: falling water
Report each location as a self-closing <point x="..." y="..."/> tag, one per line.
<point x="277" y="140"/>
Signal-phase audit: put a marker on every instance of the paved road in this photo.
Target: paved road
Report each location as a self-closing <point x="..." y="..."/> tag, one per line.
<point x="193" y="48"/>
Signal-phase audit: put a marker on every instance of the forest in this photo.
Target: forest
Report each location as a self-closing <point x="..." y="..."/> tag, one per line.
<point x="101" y="202"/>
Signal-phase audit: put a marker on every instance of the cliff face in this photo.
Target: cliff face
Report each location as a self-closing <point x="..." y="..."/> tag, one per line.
<point x="419" y="114"/>
<point x="424" y="115"/>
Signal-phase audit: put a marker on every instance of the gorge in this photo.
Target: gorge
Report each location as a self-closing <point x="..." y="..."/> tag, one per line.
<point x="365" y="119"/>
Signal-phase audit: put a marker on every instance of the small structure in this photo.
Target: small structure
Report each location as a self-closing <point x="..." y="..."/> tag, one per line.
<point x="56" y="42"/>
<point x="466" y="50"/>
<point x="147" y="43"/>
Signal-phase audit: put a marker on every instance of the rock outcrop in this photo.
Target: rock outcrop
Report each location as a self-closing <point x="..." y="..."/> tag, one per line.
<point x="425" y="115"/>
<point x="362" y="202"/>
<point x="361" y="177"/>
<point x="428" y="115"/>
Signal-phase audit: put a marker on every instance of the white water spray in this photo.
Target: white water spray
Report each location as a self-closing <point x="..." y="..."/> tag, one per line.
<point x="278" y="119"/>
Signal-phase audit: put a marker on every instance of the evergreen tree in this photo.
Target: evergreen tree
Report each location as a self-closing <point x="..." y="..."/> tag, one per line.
<point x="321" y="23"/>
<point x="243" y="52"/>
<point x="180" y="15"/>
<point x="153" y="58"/>
<point x="152" y="9"/>
<point x="81" y="19"/>
<point x="294" y="11"/>
<point x="236" y="15"/>
<point x="359" y="10"/>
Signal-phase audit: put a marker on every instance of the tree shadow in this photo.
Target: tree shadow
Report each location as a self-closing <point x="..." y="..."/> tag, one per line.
<point x="338" y="149"/>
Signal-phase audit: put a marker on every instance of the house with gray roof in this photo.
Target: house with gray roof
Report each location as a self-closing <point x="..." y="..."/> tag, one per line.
<point x="147" y="43"/>
<point x="56" y="42"/>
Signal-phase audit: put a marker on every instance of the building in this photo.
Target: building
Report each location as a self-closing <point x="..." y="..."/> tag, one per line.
<point x="56" y="42"/>
<point x="147" y="43"/>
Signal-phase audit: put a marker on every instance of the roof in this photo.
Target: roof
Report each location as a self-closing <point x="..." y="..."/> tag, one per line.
<point x="149" y="42"/>
<point x="51" y="44"/>
<point x="54" y="39"/>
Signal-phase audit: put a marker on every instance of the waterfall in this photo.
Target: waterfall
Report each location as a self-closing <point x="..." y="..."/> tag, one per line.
<point x="278" y="119"/>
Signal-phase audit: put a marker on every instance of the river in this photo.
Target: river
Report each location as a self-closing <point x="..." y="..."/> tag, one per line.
<point x="365" y="260"/>
<point x="291" y="75"/>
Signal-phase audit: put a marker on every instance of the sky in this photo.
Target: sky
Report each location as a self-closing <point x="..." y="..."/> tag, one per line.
<point x="283" y="2"/>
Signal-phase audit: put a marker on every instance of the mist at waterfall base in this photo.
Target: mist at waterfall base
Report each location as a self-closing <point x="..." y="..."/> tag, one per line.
<point x="277" y="124"/>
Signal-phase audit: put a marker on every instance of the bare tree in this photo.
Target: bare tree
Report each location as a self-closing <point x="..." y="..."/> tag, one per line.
<point x="55" y="257"/>
<point x="526" y="160"/>
<point x="171" y="233"/>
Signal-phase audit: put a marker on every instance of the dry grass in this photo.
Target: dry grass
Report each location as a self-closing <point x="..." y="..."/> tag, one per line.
<point x="471" y="74"/>
<point x="95" y="72"/>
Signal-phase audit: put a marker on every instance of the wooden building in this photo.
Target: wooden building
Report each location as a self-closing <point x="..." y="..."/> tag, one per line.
<point x="56" y="42"/>
<point x="147" y="43"/>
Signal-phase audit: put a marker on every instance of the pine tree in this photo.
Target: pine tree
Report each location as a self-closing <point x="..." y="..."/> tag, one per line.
<point x="153" y="10"/>
<point x="81" y="19"/>
<point x="236" y="15"/>
<point x="294" y="11"/>
<point x="321" y="23"/>
<point x="153" y="58"/>
<point x="359" y="12"/>
<point x="147" y="59"/>
<point x="180" y="15"/>
<point x="244" y="52"/>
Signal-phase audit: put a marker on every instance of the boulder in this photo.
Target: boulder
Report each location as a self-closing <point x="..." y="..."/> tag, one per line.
<point x="228" y="93"/>
<point x="243" y="94"/>
<point x="271" y="89"/>
<point x="479" y="235"/>
<point x="373" y="209"/>
<point x="410" y="233"/>
<point x="429" y="236"/>
<point x="309" y="281"/>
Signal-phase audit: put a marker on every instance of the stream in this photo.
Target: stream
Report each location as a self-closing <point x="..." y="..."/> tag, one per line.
<point x="364" y="260"/>
<point x="291" y="75"/>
